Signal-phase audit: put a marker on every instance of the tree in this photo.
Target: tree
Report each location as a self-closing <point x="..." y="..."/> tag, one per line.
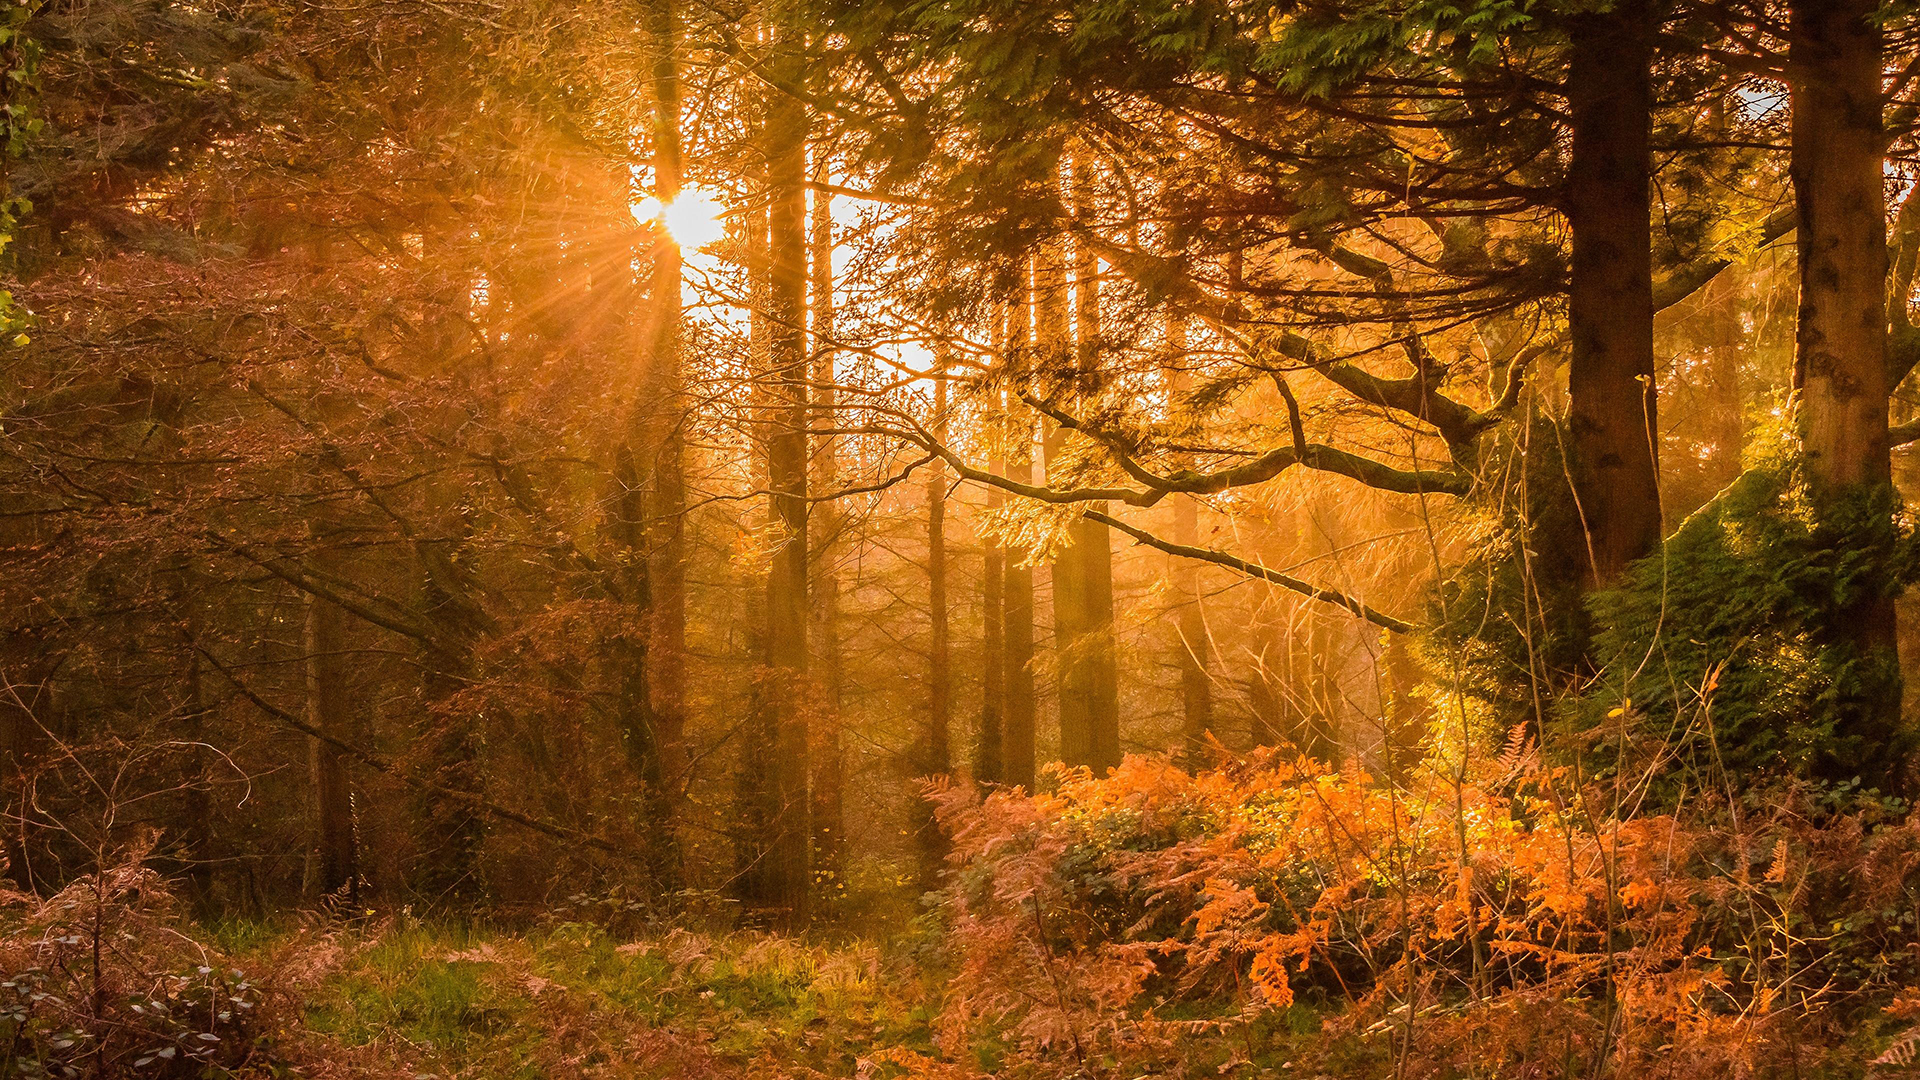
<point x="662" y="442"/>
<point x="936" y="756"/>
<point x="824" y="527"/>
<point x="787" y="372"/>
<point x="1841" y="368"/>
<point x="1612" y="411"/>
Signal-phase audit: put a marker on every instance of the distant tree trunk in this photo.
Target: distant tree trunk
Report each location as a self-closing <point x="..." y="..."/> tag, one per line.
<point x="634" y="713"/>
<point x="989" y="761"/>
<point x="1729" y="422"/>
<point x="787" y="480"/>
<point x="1265" y="707"/>
<point x="336" y="857"/>
<point x="665" y="449"/>
<point x="1611" y="421"/>
<point x="1095" y="668"/>
<point x="828" y="782"/>
<point x="1313" y="692"/>
<point x="197" y="830"/>
<point x="936" y="753"/>
<point x="1084" y="661"/>
<point x="1018" y="756"/>
<point x="1052" y="359"/>
<point x="450" y="833"/>
<point x="1840" y="373"/>
<point x="1196" y="645"/>
<point x="758" y="808"/>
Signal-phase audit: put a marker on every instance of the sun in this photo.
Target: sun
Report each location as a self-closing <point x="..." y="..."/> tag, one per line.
<point x="695" y="219"/>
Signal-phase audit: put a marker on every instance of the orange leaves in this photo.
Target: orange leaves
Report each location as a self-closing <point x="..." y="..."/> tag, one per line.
<point x="1081" y="918"/>
<point x="1227" y="903"/>
<point x="1777" y="873"/>
<point x="1269" y="972"/>
<point x="1639" y="894"/>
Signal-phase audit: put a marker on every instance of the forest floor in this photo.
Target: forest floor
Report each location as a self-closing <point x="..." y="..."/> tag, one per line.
<point x="400" y="999"/>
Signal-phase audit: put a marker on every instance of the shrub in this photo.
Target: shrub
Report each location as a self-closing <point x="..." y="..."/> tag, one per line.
<point x="1498" y="924"/>
<point x="100" y="980"/>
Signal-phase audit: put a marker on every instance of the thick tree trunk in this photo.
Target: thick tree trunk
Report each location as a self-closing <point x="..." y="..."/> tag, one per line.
<point x="1611" y="417"/>
<point x="787" y="480"/>
<point x="1840" y="374"/>
<point x="828" y="756"/>
<point x="1840" y="349"/>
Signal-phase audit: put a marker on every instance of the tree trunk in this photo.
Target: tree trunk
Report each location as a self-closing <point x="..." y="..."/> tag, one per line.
<point x="638" y="722"/>
<point x="787" y="480"/>
<point x="1052" y="363"/>
<point x="1288" y="690"/>
<point x="1840" y="372"/>
<point x="1840" y="349"/>
<point x="665" y="447"/>
<point x="196" y="834"/>
<point x="450" y="834"/>
<point x="1611" y="419"/>
<point x="936" y="754"/>
<point x="1095" y="668"/>
<point x="28" y="671"/>
<point x="1084" y="662"/>
<point x="828" y="780"/>
<point x="336" y="857"/>
<point x="758" y="806"/>
<point x="1018" y="757"/>
<point x="1196" y="645"/>
<point x="989" y="753"/>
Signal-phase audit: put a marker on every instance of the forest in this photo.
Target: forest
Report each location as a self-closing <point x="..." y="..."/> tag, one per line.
<point x="947" y="539"/>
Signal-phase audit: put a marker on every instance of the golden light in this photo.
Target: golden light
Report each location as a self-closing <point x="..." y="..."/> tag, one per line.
<point x="694" y="220"/>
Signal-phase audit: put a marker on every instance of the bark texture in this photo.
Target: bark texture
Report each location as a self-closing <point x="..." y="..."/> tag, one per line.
<point x="1841" y="372"/>
<point x="1612" y="412"/>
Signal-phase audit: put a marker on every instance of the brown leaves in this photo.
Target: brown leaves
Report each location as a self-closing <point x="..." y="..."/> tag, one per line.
<point x="1078" y="916"/>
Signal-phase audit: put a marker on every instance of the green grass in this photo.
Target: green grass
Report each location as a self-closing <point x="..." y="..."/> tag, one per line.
<point x="475" y="1002"/>
<point x="405" y="989"/>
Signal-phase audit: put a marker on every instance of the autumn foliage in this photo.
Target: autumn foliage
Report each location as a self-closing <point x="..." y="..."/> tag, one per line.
<point x="1496" y="919"/>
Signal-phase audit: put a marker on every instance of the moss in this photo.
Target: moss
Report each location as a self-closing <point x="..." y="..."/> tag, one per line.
<point x="1732" y="654"/>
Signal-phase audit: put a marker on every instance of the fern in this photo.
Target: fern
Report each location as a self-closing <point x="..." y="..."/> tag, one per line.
<point x="1902" y="1054"/>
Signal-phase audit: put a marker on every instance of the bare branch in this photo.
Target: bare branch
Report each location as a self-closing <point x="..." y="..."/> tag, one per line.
<point x="388" y="768"/>
<point x="1285" y="581"/>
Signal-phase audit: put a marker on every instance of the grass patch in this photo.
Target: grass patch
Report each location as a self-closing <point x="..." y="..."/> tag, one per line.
<point x="465" y="1001"/>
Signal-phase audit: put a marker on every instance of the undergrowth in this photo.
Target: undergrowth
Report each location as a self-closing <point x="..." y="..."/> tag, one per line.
<point x="1484" y="915"/>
